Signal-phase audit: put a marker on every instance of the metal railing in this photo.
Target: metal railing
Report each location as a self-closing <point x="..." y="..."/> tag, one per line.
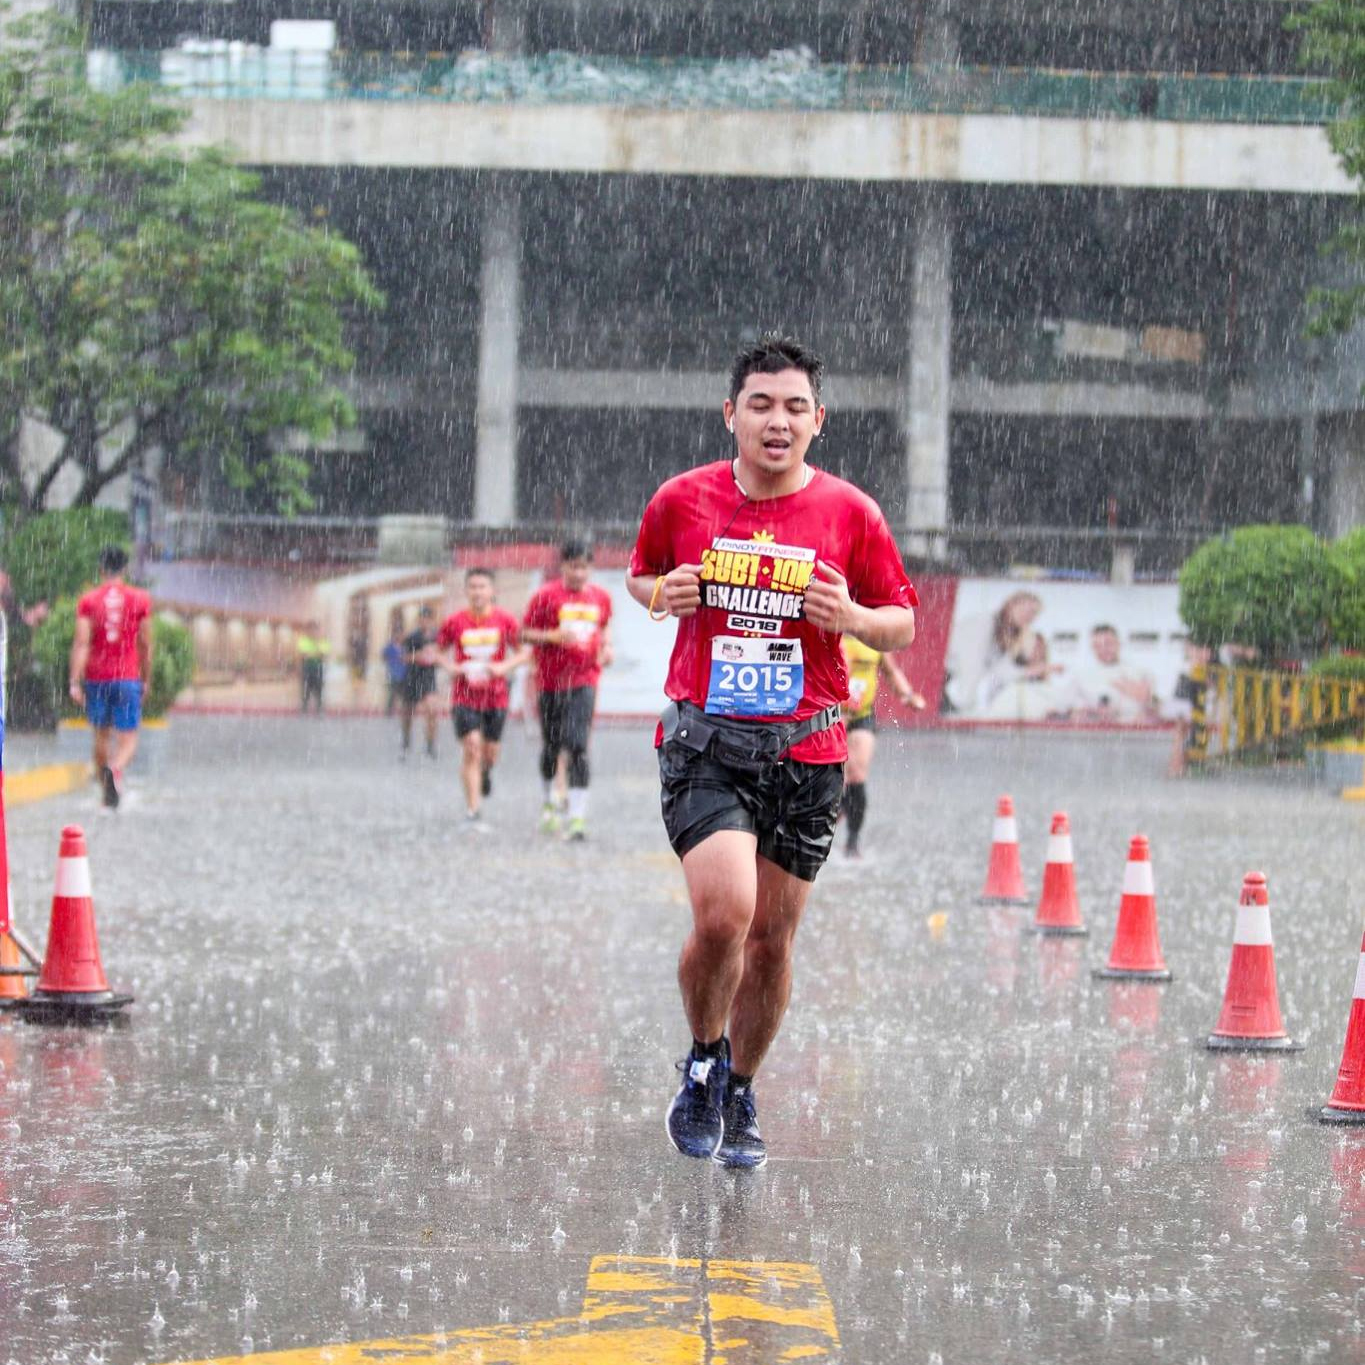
<point x="223" y="70"/>
<point x="1259" y="712"/>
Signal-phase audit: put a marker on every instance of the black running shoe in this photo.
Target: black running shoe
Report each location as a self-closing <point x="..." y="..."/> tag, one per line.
<point x="741" y="1147"/>
<point x="694" y="1122"/>
<point x="110" y="784"/>
<point x="487" y="784"/>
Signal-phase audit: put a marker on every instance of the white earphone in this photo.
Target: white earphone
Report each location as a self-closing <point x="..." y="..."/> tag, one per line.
<point x="731" y="425"/>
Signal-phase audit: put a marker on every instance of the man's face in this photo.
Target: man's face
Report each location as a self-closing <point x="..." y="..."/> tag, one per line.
<point x="1105" y="644"/>
<point x="775" y="418"/>
<point x="575" y="573"/>
<point x="478" y="591"/>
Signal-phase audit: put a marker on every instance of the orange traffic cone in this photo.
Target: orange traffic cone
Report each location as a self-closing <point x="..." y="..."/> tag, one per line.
<point x="1004" y="875"/>
<point x="1136" y="953"/>
<point x="1059" y="910"/>
<point x="12" y="972"/>
<point x="1250" y="1019"/>
<point x="72" y="984"/>
<point x="1347" y="1104"/>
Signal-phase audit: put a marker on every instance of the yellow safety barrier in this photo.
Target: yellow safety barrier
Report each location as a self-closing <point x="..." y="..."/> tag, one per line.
<point x="1246" y="712"/>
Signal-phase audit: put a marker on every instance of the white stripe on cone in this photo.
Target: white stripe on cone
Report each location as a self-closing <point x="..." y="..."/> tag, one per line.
<point x="1059" y="848"/>
<point x="1253" y="925"/>
<point x="1359" y="993"/>
<point x="73" y="877"/>
<point x="1006" y="830"/>
<point x="1137" y="880"/>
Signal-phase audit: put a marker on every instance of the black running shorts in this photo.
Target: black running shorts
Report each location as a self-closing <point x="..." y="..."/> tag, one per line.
<point x="487" y="721"/>
<point x="566" y="718"/>
<point x="790" y="806"/>
<point x="867" y="722"/>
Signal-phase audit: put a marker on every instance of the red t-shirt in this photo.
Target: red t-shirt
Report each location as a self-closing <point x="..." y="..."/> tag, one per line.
<point x="756" y="558"/>
<point x="115" y="612"/>
<point x="582" y="616"/>
<point x="479" y="641"/>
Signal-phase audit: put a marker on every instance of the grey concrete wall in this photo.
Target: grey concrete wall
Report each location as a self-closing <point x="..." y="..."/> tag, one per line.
<point x="767" y="143"/>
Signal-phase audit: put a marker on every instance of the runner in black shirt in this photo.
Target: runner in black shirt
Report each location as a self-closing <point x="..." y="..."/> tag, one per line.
<point x="420" y="653"/>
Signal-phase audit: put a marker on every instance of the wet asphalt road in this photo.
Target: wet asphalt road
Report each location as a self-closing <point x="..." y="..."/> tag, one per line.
<point x="386" y="1079"/>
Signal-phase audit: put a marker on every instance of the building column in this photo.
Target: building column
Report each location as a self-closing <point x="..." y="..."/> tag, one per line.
<point x="928" y="398"/>
<point x="495" y="467"/>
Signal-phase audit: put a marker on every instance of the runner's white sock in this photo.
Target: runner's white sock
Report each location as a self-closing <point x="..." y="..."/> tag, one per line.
<point x="549" y="793"/>
<point x="578" y="803"/>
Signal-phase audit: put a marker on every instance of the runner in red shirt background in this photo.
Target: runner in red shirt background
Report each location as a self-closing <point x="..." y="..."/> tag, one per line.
<point x="485" y="644"/>
<point x="766" y="562"/>
<point x="111" y="662"/>
<point x="567" y="621"/>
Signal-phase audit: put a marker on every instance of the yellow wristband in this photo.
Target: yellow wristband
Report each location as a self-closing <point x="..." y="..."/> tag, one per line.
<point x="655" y="615"/>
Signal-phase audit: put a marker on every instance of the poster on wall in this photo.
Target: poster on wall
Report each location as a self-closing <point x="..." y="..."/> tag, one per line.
<point x="1080" y="653"/>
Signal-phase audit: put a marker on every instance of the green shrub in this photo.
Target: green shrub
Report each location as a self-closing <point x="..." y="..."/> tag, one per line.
<point x="172" y="660"/>
<point x="1348" y="667"/>
<point x="1348" y="616"/>
<point x="1272" y="587"/>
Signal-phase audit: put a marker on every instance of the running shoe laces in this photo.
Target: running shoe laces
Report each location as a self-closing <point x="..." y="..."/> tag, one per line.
<point x="741" y="1146"/>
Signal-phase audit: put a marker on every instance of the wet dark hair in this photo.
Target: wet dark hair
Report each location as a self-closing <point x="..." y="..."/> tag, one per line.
<point x="478" y="571"/>
<point x="426" y="613"/>
<point x="575" y="549"/>
<point x="771" y="354"/>
<point x="1104" y="628"/>
<point x="113" y="559"/>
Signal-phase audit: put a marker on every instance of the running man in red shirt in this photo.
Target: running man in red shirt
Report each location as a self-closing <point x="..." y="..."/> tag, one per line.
<point x="485" y="642"/>
<point x="567" y="622"/>
<point x="111" y="662"/>
<point x="766" y="562"/>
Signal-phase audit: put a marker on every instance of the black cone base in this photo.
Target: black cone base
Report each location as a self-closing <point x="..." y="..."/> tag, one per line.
<point x="71" y="1007"/>
<point x="1218" y="1042"/>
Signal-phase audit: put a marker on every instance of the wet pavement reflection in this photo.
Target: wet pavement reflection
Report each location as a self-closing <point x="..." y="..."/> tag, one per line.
<point x="385" y="1079"/>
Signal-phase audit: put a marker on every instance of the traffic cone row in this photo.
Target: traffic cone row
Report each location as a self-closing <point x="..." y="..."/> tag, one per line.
<point x="1250" y="1018"/>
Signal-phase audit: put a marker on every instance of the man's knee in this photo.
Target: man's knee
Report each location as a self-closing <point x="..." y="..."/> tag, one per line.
<point x="549" y="761"/>
<point x="720" y="926"/>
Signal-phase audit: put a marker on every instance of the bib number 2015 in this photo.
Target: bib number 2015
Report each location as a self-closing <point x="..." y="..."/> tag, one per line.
<point x="755" y="677"/>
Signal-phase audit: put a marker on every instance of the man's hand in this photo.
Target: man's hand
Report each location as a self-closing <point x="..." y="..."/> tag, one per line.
<point x="828" y="604"/>
<point x="77" y="693"/>
<point x="680" y="592"/>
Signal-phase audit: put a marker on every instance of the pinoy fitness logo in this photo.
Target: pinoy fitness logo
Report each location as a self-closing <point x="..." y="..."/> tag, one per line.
<point x="759" y="583"/>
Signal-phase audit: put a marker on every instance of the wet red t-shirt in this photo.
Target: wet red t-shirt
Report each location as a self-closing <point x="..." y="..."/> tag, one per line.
<point x="582" y="616"/>
<point x="750" y="647"/>
<point x="116" y="613"/>
<point x="479" y="641"/>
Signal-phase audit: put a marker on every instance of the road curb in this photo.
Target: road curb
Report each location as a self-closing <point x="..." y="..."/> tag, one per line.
<point x="38" y="784"/>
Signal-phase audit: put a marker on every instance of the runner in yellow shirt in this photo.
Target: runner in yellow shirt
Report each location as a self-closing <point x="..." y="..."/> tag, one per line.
<point x="866" y="668"/>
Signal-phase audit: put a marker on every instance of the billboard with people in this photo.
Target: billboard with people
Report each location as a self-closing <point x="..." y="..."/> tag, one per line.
<point x="1083" y="653"/>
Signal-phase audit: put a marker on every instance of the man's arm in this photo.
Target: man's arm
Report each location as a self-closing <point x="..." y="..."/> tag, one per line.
<point x="80" y="654"/>
<point x="899" y="682"/>
<point x="145" y="638"/>
<point x="829" y="607"/>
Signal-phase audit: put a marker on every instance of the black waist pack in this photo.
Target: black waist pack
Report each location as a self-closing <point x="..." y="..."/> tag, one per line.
<point x="746" y="746"/>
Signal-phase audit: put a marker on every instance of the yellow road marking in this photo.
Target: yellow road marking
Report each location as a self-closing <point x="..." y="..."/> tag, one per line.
<point x="637" y="1310"/>
<point x="37" y="784"/>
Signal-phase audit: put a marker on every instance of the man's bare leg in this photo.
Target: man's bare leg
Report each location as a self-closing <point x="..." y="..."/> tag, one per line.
<point x="124" y="747"/>
<point x="722" y="883"/>
<point x="766" y="984"/>
<point x="471" y="770"/>
<point x="101" y="748"/>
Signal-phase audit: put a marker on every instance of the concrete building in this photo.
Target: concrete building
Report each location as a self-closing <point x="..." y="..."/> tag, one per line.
<point x="1055" y="256"/>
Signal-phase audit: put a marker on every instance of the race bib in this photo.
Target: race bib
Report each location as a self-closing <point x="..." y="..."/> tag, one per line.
<point x="755" y="677"/>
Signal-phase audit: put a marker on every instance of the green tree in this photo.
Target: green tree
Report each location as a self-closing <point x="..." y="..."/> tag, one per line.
<point x="1272" y="587"/>
<point x="151" y="299"/>
<point x="1333" y="43"/>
